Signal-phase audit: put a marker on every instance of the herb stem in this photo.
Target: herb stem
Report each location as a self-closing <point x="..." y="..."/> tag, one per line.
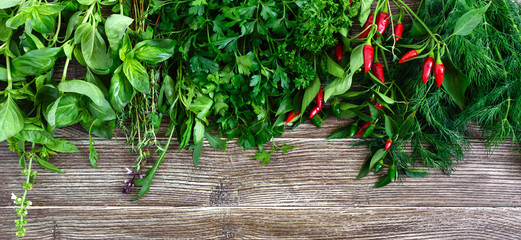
<point x="9" y="78"/>
<point x="417" y="18"/>
<point x="64" y="74"/>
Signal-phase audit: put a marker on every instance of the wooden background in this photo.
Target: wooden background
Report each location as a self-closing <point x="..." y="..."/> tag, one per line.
<point x="308" y="193"/>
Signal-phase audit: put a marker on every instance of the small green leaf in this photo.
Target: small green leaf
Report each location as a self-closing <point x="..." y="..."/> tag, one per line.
<point x="364" y="170"/>
<point x="340" y="133"/>
<point x="155" y="51"/>
<point x="386" y="99"/>
<point x="4" y="4"/>
<point x="356" y="59"/>
<point x="196" y="155"/>
<point x="391" y="127"/>
<point x="470" y="20"/>
<point x="120" y="91"/>
<point x="416" y="173"/>
<point x="310" y="94"/>
<point x="115" y="28"/>
<point x="384" y="180"/>
<point x="35" y="62"/>
<point x="334" y="69"/>
<point x="136" y="74"/>
<point x="84" y="88"/>
<point x="455" y="83"/>
<point x="365" y="9"/>
<point x="215" y="141"/>
<point x="377" y="156"/>
<point x="46" y="165"/>
<point x="198" y="131"/>
<point x="11" y="119"/>
<point x="407" y="124"/>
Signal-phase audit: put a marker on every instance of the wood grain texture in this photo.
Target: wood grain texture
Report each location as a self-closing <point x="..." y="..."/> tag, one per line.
<point x="270" y="223"/>
<point x="316" y="173"/>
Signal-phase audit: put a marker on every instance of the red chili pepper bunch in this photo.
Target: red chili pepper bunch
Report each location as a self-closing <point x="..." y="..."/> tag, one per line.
<point x="439" y="68"/>
<point x="319" y="99"/>
<point x="382" y="22"/>
<point x="368" y="128"/>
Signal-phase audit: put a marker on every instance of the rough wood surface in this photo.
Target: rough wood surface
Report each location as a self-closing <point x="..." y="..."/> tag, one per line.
<point x="309" y="193"/>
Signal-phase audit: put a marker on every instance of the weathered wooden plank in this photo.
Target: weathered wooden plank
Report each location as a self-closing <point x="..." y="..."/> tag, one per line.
<point x="316" y="173"/>
<point x="268" y="223"/>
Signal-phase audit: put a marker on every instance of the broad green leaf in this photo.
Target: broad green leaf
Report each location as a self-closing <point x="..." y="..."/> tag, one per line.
<point x="378" y="155"/>
<point x="73" y="22"/>
<point x="364" y="170"/>
<point x="198" y="131"/>
<point x="197" y="148"/>
<point x="86" y="2"/>
<point x="384" y="180"/>
<point x="215" y="141"/>
<point x="5" y="31"/>
<point x="386" y="99"/>
<point x="11" y="119"/>
<point x="34" y="134"/>
<point x="416" y="173"/>
<point x="365" y="9"/>
<point x="201" y="106"/>
<point x="93" y="47"/>
<point x="64" y="111"/>
<point x="42" y="23"/>
<point x="49" y="9"/>
<point x="46" y="165"/>
<point x="470" y="20"/>
<point x="84" y="88"/>
<point x="310" y="94"/>
<point x="35" y="62"/>
<point x="356" y="59"/>
<point x="340" y="133"/>
<point x="3" y="76"/>
<point x="136" y="74"/>
<point x="334" y="69"/>
<point x="391" y="128"/>
<point x="376" y="113"/>
<point x="120" y="91"/>
<point x="33" y="41"/>
<point x="9" y="3"/>
<point x="338" y="86"/>
<point x="19" y="19"/>
<point x="115" y="28"/>
<point x="455" y="83"/>
<point x="169" y="89"/>
<point x="407" y="124"/>
<point x="103" y="112"/>
<point x="154" y="51"/>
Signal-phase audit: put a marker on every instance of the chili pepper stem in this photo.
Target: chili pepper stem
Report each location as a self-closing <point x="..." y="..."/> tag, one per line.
<point x="417" y="18"/>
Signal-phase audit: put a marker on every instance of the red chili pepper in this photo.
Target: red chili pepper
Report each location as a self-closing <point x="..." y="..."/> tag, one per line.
<point x="378" y="105"/>
<point x="398" y="30"/>
<point x="427" y="68"/>
<point x="388" y="144"/>
<point x="339" y="51"/>
<point x="359" y="132"/>
<point x="350" y="2"/>
<point x="366" y="29"/>
<point x="407" y="56"/>
<point x="368" y="56"/>
<point x="439" y="72"/>
<point x="378" y="71"/>
<point x="292" y="115"/>
<point x="366" y="124"/>
<point x="320" y="99"/>
<point x="382" y="21"/>
<point x="320" y="103"/>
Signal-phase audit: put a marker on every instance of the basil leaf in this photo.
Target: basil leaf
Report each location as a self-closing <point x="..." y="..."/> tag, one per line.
<point x="93" y="47"/>
<point x="64" y="111"/>
<point x="338" y="86"/>
<point x="103" y="112"/>
<point x="391" y="128"/>
<point x="86" y="2"/>
<point x="35" y="62"/>
<point x="31" y="133"/>
<point x="365" y="9"/>
<point x="154" y="51"/>
<point x="115" y="28"/>
<point x="136" y="74"/>
<point x="84" y="88"/>
<point x="11" y="119"/>
<point x="379" y="154"/>
<point x="455" y="83"/>
<point x="9" y="3"/>
<point x="42" y="23"/>
<point x="334" y="69"/>
<point x="49" y="9"/>
<point x="120" y="91"/>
